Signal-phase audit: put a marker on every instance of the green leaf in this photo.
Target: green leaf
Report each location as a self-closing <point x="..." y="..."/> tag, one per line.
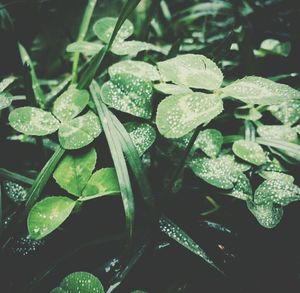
<point x="268" y="215"/>
<point x="275" y="191"/>
<point x="274" y="47"/>
<point x="210" y="142"/>
<point x="70" y="103"/>
<point x="142" y="135"/>
<point x="86" y="48"/>
<point x="172" y="89"/>
<point x="33" y="121"/>
<point x="249" y="151"/>
<point x="103" y="182"/>
<point x="177" y="115"/>
<point x="74" y="171"/>
<point x="195" y="71"/>
<point x="6" y="99"/>
<point x="242" y="188"/>
<point x="80" y="131"/>
<point x="287" y="112"/>
<point x="81" y="282"/>
<point x="247" y="113"/>
<point x="104" y="28"/>
<point x="47" y="215"/>
<point x="139" y="69"/>
<point x="14" y="191"/>
<point x="280" y="132"/>
<point x="272" y="175"/>
<point x="128" y="94"/>
<point x="6" y="82"/>
<point x="259" y="90"/>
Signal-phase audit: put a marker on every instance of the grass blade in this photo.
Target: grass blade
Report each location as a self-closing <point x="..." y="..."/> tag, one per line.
<point x="15" y="177"/>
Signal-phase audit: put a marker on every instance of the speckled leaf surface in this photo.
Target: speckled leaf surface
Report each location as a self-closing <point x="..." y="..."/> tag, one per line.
<point x="287" y="112"/>
<point x="281" y="132"/>
<point x="128" y="94"/>
<point x="177" y="115"/>
<point x="6" y="82"/>
<point x="172" y="89"/>
<point x="14" y="191"/>
<point x="277" y="176"/>
<point x="86" y="48"/>
<point x="242" y="188"/>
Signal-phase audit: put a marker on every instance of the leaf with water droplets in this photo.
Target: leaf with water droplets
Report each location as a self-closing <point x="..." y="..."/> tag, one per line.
<point x="172" y="89"/>
<point x="80" y="131"/>
<point x="177" y="115"/>
<point x="277" y="176"/>
<point x="83" y="47"/>
<point x="281" y="132"/>
<point x="47" y="215"/>
<point x="33" y="121"/>
<point x="267" y="215"/>
<point x="70" y="103"/>
<point x="259" y="90"/>
<point x="247" y="113"/>
<point x="195" y="71"/>
<point x="242" y="188"/>
<point x="129" y="94"/>
<point x="81" y="282"/>
<point x="287" y="112"/>
<point x="74" y="171"/>
<point x="103" y="182"/>
<point x="14" y="191"/>
<point x="139" y="69"/>
<point x="142" y="135"/>
<point x="6" y="82"/>
<point x="103" y="29"/>
<point x="6" y="99"/>
<point x="275" y="191"/>
<point x="210" y="142"/>
<point x="249" y="151"/>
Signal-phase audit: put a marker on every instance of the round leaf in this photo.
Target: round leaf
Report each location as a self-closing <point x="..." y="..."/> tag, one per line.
<point x="172" y="89"/>
<point x="33" y="121"/>
<point x="47" y="215"/>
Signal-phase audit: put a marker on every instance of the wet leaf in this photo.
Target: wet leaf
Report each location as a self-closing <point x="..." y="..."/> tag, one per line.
<point x="247" y="113"/>
<point x="86" y="48"/>
<point x="80" y="131"/>
<point x="249" y="151"/>
<point x="195" y="71"/>
<point x="14" y="191"/>
<point x="287" y="112"/>
<point x="280" y="132"/>
<point x="259" y="90"/>
<point x="177" y="115"/>
<point x="277" y="176"/>
<point x="47" y="215"/>
<point x="172" y="89"/>
<point x="242" y="188"/>
<point x="128" y="94"/>
<point x="33" y="121"/>
<point x="74" y="171"/>
<point x="6" y="82"/>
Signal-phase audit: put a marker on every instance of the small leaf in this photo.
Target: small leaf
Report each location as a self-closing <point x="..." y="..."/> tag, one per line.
<point x="103" y="182"/>
<point x="177" y="115"/>
<point x="287" y="112"/>
<point x="247" y="113"/>
<point x="104" y="27"/>
<point x="280" y="132"/>
<point x="139" y="69"/>
<point x="242" y="188"/>
<point x="271" y="175"/>
<point x="86" y="48"/>
<point x="5" y="100"/>
<point x="249" y="151"/>
<point x="33" y="121"/>
<point x="195" y="71"/>
<point x="275" y="191"/>
<point x="48" y="214"/>
<point x="74" y="171"/>
<point x="81" y="282"/>
<point x="172" y="89"/>
<point x="275" y="47"/>
<point x="80" y="131"/>
<point x="6" y="82"/>
<point x="142" y="135"/>
<point x="268" y="215"/>
<point x="128" y="94"/>
<point x="14" y="191"/>
<point x="259" y="90"/>
<point x="70" y="103"/>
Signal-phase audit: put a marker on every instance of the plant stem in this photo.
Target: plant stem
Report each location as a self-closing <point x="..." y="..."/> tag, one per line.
<point x="15" y="177"/>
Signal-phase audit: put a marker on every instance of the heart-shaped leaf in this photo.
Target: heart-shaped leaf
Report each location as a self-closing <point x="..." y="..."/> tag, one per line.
<point x="103" y="182"/>
<point x="70" y="103"/>
<point x="287" y="112"/>
<point x="142" y="135"/>
<point x="33" y="121"/>
<point x="74" y="171"/>
<point x="259" y="90"/>
<point x="47" y="215"/>
<point x="80" y="131"/>
<point x="195" y="71"/>
<point x="249" y="151"/>
<point x="177" y="115"/>
<point x="139" y="69"/>
<point x="86" y="48"/>
<point x="280" y="132"/>
<point x="128" y="94"/>
<point x="172" y="89"/>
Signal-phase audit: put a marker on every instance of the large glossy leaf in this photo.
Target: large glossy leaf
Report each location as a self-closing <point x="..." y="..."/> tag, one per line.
<point x="103" y="182"/>
<point x="276" y="191"/>
<point x="128" y="94"/>
<point x="48" y="214"/>
<point x="142" y="135"/>
<point x="191" y="70"/>
<point x="86" y="48"/>
<point x="33" y="121"/>
<point x="104" y="27"/>
<point x="259" y="90"/>
<point x="80" y="131"/>
<point x="249" y="151"/>
<point x="280" y="132"/>
<point x="74" y="171"/>
<point x="177" y="115"/>
<point x="139" y="69"/>
<point x="287" y="112"/>
<point x="172" y="89"/>
<point x="70" y="103"/>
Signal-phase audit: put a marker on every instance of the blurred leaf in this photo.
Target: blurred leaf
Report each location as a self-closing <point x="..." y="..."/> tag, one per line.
<point x="86" y="48"/>
<point x="6" y="82"/>
<point x="172" y="89"/>
<point x="274" y="47"/>
<point x="280" y="132"/>
<point x="287" y="112"/>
